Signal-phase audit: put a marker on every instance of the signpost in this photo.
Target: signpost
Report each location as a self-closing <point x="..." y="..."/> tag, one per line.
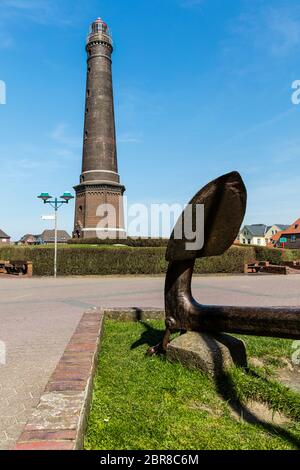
<point x="283" y="241"/>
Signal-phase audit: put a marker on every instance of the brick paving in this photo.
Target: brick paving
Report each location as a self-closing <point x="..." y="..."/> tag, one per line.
<point x="39" y="316"/>
<point x="59" y="421"/>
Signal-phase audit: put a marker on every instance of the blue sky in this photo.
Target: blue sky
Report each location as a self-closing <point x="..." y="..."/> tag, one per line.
<point x="202" y="87"/>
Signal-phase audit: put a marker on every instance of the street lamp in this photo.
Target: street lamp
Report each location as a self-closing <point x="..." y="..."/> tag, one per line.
<point x="56" y="203"/>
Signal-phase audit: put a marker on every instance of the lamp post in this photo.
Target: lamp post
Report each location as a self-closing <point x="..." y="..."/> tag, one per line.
<point x="56" y="204"/>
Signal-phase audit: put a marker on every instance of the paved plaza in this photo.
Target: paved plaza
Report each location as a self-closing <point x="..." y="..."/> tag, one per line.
<point x="39" y="316"/>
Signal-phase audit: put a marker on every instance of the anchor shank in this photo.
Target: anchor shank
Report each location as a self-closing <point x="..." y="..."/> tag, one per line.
<point x="184" y="313"/>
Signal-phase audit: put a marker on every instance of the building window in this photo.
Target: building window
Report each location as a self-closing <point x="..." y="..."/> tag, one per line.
<point x="293" y="238"/>
<point x="244" y="241"/>
<point x="258" y="241"/>
<point x="88" y="93"/>
<point x="86" y="134"/>
<point x="249" y="242"/>
<point x="296" y="226"/>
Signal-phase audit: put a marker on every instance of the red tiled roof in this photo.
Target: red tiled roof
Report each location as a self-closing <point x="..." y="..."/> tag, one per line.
<point x="294" y="228"/>
<point x="276" y="236"/>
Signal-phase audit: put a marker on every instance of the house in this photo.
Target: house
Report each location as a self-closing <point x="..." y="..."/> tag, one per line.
<point x="253" y="235"/>
<point x="273" y="233"/>
<point x="4" y="238"/>
<point x="260" y="234"/>
<point x="30" y="239"/>
<point x="274" y="239"/>
<point x="274" y="229"/>
<point x="292" y="235"/>
<point x="48" y="236"/>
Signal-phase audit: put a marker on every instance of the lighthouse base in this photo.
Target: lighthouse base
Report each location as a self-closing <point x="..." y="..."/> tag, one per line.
<point x="99" y="211"/>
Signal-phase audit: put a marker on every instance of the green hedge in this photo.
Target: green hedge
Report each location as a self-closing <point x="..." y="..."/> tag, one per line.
<point x="134" y="242"/>
<point x="112" y="260"/>
<point x="232" y="261"/>
<point x="127" y="260"/>
<point x="90" y="261"/>
<point x="275" y="255"/>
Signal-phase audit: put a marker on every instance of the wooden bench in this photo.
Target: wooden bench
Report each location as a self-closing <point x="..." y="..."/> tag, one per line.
<point x="292" y="264"/>
<point x="253" y="267"/>
<point x="3" y="265"/>
<point x="265" y="267"/>
<point x="16" y="267"/>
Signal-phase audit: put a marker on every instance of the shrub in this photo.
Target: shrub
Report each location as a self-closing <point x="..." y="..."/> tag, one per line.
<point x="232" y="261"/>
<point x="119" y="260"/>
<point x="276" y="255"/>
<point x="133" y="242"/>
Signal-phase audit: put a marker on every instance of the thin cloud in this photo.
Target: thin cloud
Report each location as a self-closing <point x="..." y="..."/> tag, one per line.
<point x="261" y="125"/>
<point x="22" y="4"/>
<point x="43" y="12"/>
<point x="6" y="41"/>
<point x="61" y="136"/>
<point x="284" y="30"/>
<point x="272" y="29"/>
<point x="66" y="146"/>
<point x="128" y="138"/>
<point x="277" y="205"/>
<point x="253" y="130"/>
<point x="288" y="153"/>
<point x="20" y="169"/>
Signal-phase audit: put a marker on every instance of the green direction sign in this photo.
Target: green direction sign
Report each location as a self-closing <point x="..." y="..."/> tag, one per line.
<point x="283" y="240"/>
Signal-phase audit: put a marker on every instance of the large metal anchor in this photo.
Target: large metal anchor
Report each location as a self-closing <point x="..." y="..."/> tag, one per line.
<point x="224" y="201"/>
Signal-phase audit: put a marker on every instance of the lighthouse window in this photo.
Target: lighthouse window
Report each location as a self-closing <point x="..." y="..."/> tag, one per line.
<point x="86" y="134"/>
<point x="88" y="92"/>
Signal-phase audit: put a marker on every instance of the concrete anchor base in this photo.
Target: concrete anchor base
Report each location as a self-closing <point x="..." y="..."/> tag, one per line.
<point x="211" y="354"/>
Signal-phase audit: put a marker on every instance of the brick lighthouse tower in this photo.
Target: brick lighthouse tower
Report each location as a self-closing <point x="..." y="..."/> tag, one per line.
<point x="99" y="196"/>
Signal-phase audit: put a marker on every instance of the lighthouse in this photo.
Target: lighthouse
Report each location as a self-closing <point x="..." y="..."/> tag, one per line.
<point x="99" y="195"/>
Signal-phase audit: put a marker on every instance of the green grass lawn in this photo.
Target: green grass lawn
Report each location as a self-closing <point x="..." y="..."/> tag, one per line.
<point x="147" y="403"/>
